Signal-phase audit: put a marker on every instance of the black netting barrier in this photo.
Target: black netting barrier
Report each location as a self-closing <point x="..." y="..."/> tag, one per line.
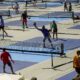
<point x="33" y="47"/>
<point x="47" y="14"/>
<point x="5" y="12"/>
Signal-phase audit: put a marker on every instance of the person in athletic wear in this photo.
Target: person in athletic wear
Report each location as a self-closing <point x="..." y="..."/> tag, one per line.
<point x="76" y="64"/>
<point x="6" y="58"/>
<point x="2" y="26"/>
<point x="26" y="3"/>
<point x="65" y="6"/>
<point x="45" y="33"/>
<point x="16" y="7"/>
<point x="24" y="17"/>
<point x="34" y="3"/>
<point x="54" y="29"/>
<point x="70" y="7"/>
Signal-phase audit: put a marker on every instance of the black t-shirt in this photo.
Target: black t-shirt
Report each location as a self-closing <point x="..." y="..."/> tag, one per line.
<point x="24" y="15"/>
<point x="34" y="0"/>
<point x="65" y="5"/>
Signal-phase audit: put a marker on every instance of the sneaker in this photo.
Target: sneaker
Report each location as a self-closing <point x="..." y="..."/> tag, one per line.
<point x="26" y="27"/>
<point x="4" y="71"/>
<point x="13" y="73"/>
<point x="53" y="48"/>
<point x="44" y="46"/>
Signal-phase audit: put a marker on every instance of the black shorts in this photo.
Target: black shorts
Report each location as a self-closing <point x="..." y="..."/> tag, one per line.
<point x="55" y="30"/>
<point x="1" y="27"/>
<point x="77" y="70"/>
<point x="9" y="64"/>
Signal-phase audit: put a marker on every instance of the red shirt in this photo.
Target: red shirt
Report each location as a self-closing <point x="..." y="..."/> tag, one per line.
<point x="5" y="57"/>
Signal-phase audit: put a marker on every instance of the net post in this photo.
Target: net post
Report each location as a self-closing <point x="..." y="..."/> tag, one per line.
<point x="72" y="16"/>
<point x="26" y="3"/>
<point x="9" y="15"/>
<point x="45" y="4"/>
<point x="62" y="49"/>
<point x="3" y="35"/>
<point x="52" y="60"/>
<point x="42" y="1"/>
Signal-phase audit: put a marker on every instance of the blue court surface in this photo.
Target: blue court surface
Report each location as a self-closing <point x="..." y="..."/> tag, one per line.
<point x="68" y="43"/>
<point x="69" y="76"/>
<point x="31" y="45"/>
<point x="75" y="27"/>
<point x="25" y="59"/>
<point x="72" y="1"/>
<point x="45" y="4"/>
<point x="5" y="4"/>
<point x="43" y="19"/>
<point x="18" y="65"/>
<point x="40" y="21"/>
<point x="25" y="56"/>
<point x="48" y="4"/>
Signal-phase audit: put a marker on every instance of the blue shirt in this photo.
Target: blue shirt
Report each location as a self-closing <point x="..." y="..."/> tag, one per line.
<point x="45" y="32"/>
<point x="1" y="21"/>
